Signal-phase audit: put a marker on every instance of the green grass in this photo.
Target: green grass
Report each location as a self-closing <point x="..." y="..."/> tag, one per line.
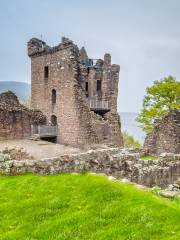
<point x="83" y="207"/>
<point x="149" y="157"/>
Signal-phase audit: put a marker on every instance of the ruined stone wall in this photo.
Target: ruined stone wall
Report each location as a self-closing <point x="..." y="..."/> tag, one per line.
<point x="114" y="124"/>
<point x="109" y="76"/>
<point x="16" y="119"/>
<point x="165" y="136"/>
<point x="110" y="82"/>
<point x="76" y="123"/>
<point x="108" y="127"/>
<point x="14" y="124"/>
<point x="113" y="162"/>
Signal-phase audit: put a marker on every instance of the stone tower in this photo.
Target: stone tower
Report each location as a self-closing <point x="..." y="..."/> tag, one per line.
<point x="76" y="93"/>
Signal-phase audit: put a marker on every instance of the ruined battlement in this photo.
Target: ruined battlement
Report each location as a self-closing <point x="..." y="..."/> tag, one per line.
<point x="37" y="47"/>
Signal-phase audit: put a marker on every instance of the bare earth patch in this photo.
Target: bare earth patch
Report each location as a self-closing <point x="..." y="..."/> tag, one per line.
<point x="39" y="149"/>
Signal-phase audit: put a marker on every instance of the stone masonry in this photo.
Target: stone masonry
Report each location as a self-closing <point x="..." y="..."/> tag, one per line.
<point x="165" y="136"/>
<point x="112" y="161"/>
<point x="16" y="119"/>
<point x="77" y="94"/>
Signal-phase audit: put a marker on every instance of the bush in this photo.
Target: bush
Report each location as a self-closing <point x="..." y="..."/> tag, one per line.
<point x="129" y="141"/>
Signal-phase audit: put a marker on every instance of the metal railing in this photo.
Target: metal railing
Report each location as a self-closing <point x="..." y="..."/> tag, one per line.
<point x="44" y="130"/>
<point x="98" y="104"/>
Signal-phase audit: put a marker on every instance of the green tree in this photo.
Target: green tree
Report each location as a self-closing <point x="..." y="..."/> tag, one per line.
<point x="163" y="96"/>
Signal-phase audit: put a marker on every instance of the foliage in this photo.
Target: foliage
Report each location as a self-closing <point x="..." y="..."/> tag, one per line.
<point x="129" y="141"/>
<point x="83" y="206"/>
<point x="148" y="157"/>
<point x="155" y="189"/>
<point x="159" y="99"/>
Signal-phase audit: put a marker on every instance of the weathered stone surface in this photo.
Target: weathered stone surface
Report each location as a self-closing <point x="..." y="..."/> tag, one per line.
<point x="166" y="135"/>
<point x="4" y="157"/>
<point x="168" y="194"/>
<point x="16" y="119"/>
<point x="83" y="54"/>
<point x="36" y="46"/>
<point x="112" y="162"/>
<point x="173" y="190"/>
<point x="15" y="154"/>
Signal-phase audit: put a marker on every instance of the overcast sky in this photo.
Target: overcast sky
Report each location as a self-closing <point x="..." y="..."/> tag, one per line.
<point x="143" y="37"/>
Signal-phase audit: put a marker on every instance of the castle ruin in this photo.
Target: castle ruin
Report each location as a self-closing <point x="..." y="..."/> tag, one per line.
<point x="77" y="94"/>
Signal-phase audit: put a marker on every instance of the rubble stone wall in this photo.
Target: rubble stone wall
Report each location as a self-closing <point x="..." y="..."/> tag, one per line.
<point x="113" y="162"/>
<point x="16" y="119"/>
<point x="165" y="136"/>
<point x="14" y="125"/>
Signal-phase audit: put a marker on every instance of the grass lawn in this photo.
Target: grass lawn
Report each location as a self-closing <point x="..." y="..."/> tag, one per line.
<point x="149" y="157"/>
<point x="83" y="207"/>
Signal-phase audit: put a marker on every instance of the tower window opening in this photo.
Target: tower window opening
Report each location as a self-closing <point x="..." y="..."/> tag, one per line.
<point x="53" y="96"/>
<point x="98" y="86"/>
<point x="46" y="72"/>
<point x="54" y="120"/>
<point x="86" y="86"/>
<point x="88" y="70"/>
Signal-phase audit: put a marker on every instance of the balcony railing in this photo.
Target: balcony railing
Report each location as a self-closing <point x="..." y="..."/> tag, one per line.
<point x="44" y="130"/>
<point x="98" y="104"/>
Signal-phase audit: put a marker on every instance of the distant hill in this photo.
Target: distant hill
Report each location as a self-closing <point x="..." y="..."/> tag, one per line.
<point x="21" y="89"/>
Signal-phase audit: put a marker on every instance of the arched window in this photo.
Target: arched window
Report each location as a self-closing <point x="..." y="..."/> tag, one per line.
<point x="53" y="97"/>
<point x="54" y="120"/>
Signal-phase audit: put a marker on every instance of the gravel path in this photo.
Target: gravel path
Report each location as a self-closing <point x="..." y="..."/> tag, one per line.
<point x="39" y="149"/>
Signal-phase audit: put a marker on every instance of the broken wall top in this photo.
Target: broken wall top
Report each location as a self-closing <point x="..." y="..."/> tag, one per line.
<point x="173" y="115"/>
<point x="37" y="47"/>
<point x="165" y="137"/>
<point x="10" y="103"/>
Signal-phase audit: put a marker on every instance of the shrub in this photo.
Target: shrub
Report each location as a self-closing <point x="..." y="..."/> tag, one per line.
<point x="129" y="141"/>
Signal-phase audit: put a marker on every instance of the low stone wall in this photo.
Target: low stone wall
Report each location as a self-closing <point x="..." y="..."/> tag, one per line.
<point x="113" y="161"/>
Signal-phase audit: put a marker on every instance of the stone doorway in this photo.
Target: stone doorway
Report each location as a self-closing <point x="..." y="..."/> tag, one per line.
<point x="54" y="120"/>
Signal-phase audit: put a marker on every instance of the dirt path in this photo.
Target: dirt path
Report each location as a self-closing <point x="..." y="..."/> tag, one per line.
<point x="39" y="149"/>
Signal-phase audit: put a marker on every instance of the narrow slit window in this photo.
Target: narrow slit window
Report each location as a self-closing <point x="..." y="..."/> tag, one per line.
<point x="88" y="70"/>
<point x="46" y="72"/>
<point x="86" y="86"/>
<point x="98" y="85"/>
<point x="53" y="96"/>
